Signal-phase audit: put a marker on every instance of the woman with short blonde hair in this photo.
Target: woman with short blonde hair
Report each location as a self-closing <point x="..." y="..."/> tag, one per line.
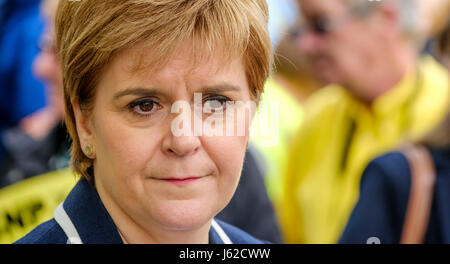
<point x="130" y="68"/>
<point x="89" y="33"/>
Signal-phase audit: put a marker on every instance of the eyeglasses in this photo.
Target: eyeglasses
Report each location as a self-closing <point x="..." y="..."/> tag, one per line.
<point x="321" y="25"/>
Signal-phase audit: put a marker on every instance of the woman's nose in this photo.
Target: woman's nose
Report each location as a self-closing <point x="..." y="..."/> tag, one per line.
<point x="182" y="142"/>
<point x="180" y="146"/>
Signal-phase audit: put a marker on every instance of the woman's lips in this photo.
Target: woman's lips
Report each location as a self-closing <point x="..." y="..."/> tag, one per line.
<point x="183" y="181"/>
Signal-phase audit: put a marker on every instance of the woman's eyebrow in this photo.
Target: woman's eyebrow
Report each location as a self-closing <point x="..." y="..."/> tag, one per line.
<point x="147" y="92"/>
<point x="225" y="87"/>
<point x="137" y="91"/>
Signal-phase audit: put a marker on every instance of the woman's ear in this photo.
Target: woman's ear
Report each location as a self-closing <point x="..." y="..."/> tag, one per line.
<point x="84" y="128"/>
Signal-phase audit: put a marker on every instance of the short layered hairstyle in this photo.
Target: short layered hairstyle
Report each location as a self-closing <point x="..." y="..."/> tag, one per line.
<point x="89" y="33"/>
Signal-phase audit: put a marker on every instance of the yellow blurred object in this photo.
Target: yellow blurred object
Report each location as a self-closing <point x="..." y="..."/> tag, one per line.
<point x="26" y="204"/>
<point x="337" y="140"/>
<point x="275" y="125"/>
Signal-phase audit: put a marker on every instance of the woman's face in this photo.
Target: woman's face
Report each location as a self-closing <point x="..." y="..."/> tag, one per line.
<point x="142" y="170"/>
<point x="46" y="67"/>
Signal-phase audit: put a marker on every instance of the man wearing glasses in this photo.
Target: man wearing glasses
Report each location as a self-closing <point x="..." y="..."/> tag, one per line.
<point x="381" y="93"/>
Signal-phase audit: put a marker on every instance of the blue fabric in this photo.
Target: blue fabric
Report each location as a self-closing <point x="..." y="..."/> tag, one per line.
<point x="250" y="209"/>
<point x="95" y="226"/>
<point x="381" y="209"/>
<point x="47" y="233"/>
<point x="20" y="29"/>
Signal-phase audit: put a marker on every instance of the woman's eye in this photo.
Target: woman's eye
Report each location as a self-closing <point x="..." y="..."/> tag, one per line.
<point x="144" y="107"/>
<point x="216" y="104"/>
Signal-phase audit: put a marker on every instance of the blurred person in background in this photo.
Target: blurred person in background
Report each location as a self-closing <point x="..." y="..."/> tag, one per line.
<point x="387" y="205"/>
<point x="292" y="70"/>
<point x="382" y="93"/>
<point x="40" y="143"/>
<point x="21" y="94"/>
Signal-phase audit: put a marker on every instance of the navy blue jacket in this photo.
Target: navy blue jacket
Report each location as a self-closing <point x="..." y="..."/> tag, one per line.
<point x="381" y="209"/>
<point x="85" y="212"/>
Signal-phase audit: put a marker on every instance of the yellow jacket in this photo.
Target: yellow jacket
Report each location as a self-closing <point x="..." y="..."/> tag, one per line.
<point x="337" y="140"/>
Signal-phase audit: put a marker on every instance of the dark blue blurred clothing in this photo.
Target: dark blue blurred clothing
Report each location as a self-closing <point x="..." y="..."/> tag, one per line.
<point x="381" y="209"/>
<point x="250" y="209"/>
<point x="21" y="93"/>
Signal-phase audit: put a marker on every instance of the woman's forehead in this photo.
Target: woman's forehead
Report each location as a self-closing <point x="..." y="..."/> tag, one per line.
<point x="184" y="69"/>
<point x="197" y="59"/>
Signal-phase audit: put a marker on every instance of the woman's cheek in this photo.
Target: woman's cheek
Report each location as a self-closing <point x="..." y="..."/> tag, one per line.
<point x="227" y="153"/>
<point x="124" y="146"/>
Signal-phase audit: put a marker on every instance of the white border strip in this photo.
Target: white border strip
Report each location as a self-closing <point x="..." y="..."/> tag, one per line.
<point x="67" y="226"/>
<point x="221" y="233"/>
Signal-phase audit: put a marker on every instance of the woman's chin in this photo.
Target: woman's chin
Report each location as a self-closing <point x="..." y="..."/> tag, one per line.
<point x="184" y="215"/>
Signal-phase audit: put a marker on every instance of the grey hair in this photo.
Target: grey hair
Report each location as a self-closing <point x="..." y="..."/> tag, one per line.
<point x="408" y="12"/>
